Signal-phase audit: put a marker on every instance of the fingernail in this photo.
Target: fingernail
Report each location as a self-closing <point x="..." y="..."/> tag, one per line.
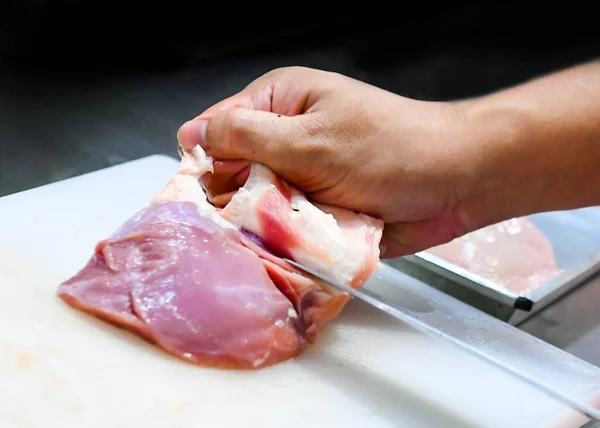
<point x="382" y="249"/>
<point x="193" y="133"/>
<point x="199" y="126"/>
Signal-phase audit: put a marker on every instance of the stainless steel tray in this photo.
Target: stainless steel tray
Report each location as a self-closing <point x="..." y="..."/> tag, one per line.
<point x="575" y="237"/>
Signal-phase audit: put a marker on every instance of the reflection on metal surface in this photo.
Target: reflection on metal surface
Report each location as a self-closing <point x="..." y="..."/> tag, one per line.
<point x="575" y="239"/>
<point x="450" y="321"/>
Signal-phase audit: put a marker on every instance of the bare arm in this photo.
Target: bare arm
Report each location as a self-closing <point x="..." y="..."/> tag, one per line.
<point x="533" y="147"/>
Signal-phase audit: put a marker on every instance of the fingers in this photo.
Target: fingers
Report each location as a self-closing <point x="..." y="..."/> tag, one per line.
<point x="242" y="133"/>
<point x="256" y="96"/>
<point x="289" y="91"/>
<point x="227" y="177"/>
<point x="391" y="246"/>
<point x="259" y="94"/>
<point x="401" y="239"/>
<point x="192" y="133"/>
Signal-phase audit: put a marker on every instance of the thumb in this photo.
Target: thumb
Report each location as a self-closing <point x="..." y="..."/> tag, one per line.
<point x="241" y="133"/>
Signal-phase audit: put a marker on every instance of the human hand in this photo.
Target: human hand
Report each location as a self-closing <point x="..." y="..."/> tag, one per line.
<point x="346" y="143"/>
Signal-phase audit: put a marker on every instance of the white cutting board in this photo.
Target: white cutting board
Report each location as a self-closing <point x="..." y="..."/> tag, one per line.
<point x="61" y="368"/>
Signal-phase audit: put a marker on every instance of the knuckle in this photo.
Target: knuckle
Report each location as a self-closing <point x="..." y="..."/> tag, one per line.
<point x="278" y="73"/>
<point x="289" y="69"/>
<point x="288" y="73"/>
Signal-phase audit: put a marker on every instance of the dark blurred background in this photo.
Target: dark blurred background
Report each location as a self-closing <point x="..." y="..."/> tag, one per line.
<point x="85" y="85"/>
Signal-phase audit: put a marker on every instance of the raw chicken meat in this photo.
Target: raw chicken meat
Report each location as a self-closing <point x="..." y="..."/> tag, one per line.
<point x="314" y="235"/>
<point x="209" y="284"/>
<point x="159" y="275"/>
<point x="513" y="254"/>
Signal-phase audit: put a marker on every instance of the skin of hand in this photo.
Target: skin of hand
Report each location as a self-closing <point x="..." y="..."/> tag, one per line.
<point x="345" y="143"/>
<point x="432" y="171"/>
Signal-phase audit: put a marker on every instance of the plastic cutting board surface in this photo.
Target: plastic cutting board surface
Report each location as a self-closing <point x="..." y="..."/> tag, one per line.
<point x="59" y="367"/>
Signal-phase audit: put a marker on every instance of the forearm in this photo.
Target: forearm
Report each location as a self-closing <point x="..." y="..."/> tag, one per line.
<point x="533" y="148"/>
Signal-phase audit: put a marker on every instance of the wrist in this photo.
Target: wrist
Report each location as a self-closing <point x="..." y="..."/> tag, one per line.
<point x="502" y="173"/>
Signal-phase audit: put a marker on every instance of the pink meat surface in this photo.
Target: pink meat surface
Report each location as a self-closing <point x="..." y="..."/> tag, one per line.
<point x="209" y="285"/>
<point x="513" y="254"/>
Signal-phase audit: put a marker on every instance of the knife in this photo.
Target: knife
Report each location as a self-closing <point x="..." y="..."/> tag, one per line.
<point x="394" y="310"/>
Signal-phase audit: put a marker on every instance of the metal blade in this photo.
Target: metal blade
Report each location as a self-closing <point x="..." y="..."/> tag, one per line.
<point x="390" y="308"/>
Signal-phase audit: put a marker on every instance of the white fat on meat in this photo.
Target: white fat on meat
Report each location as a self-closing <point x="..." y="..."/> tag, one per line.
<point x="333" y="241"/>
<point x="185" y="186"/>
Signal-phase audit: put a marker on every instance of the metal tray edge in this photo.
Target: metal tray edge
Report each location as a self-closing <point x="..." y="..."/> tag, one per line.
<point x="539" y="298"/>
<point x="567" y="279"/>
<point x="463" y="277"/>
<point x="558" y="287"/>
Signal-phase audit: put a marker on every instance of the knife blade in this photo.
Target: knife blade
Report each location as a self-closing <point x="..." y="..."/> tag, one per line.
<point x="394" y="310"/>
